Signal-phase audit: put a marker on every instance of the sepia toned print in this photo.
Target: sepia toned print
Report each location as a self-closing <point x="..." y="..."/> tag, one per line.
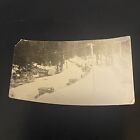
<point x="86" y="72"/>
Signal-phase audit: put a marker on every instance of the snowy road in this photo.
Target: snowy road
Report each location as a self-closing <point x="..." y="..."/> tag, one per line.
<point x="102" y="86"/>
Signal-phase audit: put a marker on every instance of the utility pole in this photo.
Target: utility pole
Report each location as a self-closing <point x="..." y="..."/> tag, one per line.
<point x="91" y="48"/>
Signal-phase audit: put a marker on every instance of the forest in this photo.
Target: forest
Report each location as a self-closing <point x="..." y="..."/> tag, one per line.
<point x="46" y="52"/>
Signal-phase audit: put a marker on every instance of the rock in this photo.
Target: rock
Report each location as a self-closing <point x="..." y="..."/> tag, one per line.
<point x="51" y="72"/>
<point x="43" y="90"/>
<point x="71" y="81"/>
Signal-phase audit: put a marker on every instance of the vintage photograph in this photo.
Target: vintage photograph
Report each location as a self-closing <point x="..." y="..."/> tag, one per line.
<point x="85" y="72"/>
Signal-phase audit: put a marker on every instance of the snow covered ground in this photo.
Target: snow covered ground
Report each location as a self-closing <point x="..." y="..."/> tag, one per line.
<point x="103" y="85"/>
<point x="57" y="81"/>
